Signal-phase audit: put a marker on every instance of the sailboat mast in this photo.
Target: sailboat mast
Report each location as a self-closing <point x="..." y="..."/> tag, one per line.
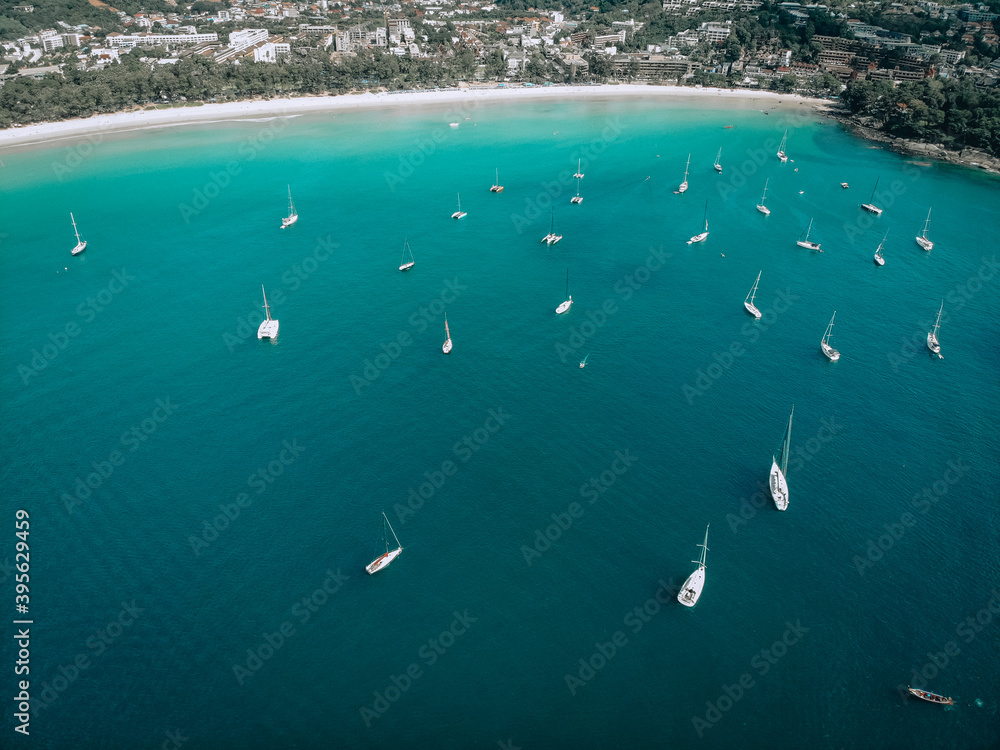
<point x="872" y="199"/>
<point x="447" y="333"/>
<point x="77" y="232"/>
<point x="267" y="309"/>
<point x="398" y="545"/>
<point x="704" y="550"/>
<point x="787" y="443"/>
<point x="937" y="323"/>
<point x="927" y="223"/>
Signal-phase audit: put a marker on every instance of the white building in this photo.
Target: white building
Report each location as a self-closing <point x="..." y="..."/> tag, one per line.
<point x="271" y="52"/>
<point x="714" y="32"/>
<point x="128" y="41"/>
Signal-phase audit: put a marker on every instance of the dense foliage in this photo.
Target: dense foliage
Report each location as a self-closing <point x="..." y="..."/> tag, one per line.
<point x="15" y="24"/>
<point x="953" y="113"/>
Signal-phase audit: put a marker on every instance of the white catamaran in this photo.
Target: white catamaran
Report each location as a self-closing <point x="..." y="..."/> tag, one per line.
<point x="831" y="354"/>
<point x="446" y="347"/>
<point x="268" y="327"/>
<point x="576" y="198"/>
<point x="684" y="184"/>
<point x="691" y="590"/>
<point x="870" y="206"/>
<point x="922" y="240"/>
<point x="718" y="162"/>
<point x="932" y="336"/>
<point x="404" y="264"/>
<point x="293" y="215"/>
<point x="383" y="560"/>
<point x="748" y="302"/>
<point x="459" y="213"/>
<point x="777" y="481"/>
<point x="552" y="238"/>
<point x="760" y="206"/>
<point x="703" y="235"/>
<point x="879" y="260"/>
<point x="782" y="156"/>
<point x="806" y="243"/>
<point x="497" y="187"/>
<point x="81" y="245"/>
<point x="563" y="307"/>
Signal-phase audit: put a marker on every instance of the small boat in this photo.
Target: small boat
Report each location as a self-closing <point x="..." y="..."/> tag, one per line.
<point x="782" y="156"/>
<point x="579" y="172"/>
<point x="684" y="184"/>
<point x="932" y="336"/>
<point x="81" y="245"/>
<point x="748" y="302"/>
<point x="268" y="327"/>
<point x="922" y="240"/>
<point x="831" y="354"/>
<point x="760" y="206"/>
<point x="453" y="124"/>
<point x="576" y="198"/>
<point x="879" y="260"/>
<point x="293" y="216"/>
<point x="583" y="363"/>
<point x="404" y="264"/>
<point x="931" y="697"/>
<point x="730" y="127"/>
<point x="497" y="187"/>
<point x="563" y="307"/>
<point x="703" y="235"/>
<point x="844" y="185"/>
<point x="459" y="213"/>
<point x="552" y="238"/>
<point x="777" y="479"/>
<point x="717" y="165"/>
<point x="806" y="243"/>
<point x="870" y="206"/>
<point x="691" y="590"/>
<point x="383" y="560"/>
<point x="446" y="347"/>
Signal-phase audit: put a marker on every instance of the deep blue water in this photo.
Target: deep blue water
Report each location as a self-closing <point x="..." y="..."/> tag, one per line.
<point x="188" y="220"/>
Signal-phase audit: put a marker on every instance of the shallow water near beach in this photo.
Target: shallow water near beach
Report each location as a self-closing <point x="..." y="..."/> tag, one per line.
<point x="539" y="504"/>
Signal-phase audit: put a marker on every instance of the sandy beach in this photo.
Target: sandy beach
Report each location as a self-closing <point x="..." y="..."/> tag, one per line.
<point x="126" y="121"/>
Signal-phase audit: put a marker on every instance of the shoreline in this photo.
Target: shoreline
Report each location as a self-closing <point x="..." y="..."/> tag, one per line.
<point x="122" y="122"/>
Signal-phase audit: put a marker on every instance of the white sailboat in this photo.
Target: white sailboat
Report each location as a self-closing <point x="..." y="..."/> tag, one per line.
<point x="293" y="215"/>
<point x="579" y="173"/>
<point x="691" y="590"/>
<point x="922" y="240"/>
<point x="879" y="260"/>
<point x="703" y="235"/>
<point x="383" y="560"/>
<point x="782" y="156"/>
<point x="806" y="243"/>
<point x="576" y="198"/>
<point x="870" y="206"/>
<point x="777" y="481"/>
<point x="932" y="336"/>
<point x="748" y="302"/>
<point x="81" y="245"/>
<point x="552" y="238"/>
<point x="569" y="298"/>
<point x="684" y="184"/>
<point x="760" y="206"/>
<point x="583" y="362"/>
<point x="718" y="165"/>
<point x="446" y="347"/>
<point x="404" y="264"/>
<point x="459" y="213"/>
<point x="268" y="327"/>
<point x="831" y="354"/>
<point x="497" y="187"/>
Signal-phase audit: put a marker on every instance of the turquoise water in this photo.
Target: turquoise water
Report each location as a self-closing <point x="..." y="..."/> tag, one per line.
<point x="680" y="381"/>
